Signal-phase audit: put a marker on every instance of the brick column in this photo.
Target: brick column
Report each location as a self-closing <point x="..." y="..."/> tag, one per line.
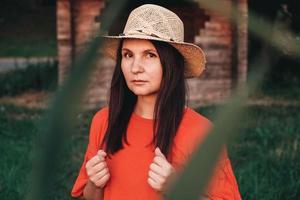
<point x="216" y="41"/>
<point x="242" y="42"/>
<point x="86" y="28"/>
<point x="64" y="46"/>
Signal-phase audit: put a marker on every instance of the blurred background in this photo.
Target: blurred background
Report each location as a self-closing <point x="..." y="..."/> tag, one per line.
<point x="40" y="41"/>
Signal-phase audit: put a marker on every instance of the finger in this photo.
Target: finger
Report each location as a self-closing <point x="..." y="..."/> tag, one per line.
<point x="157" y="178"/>
<point x="101" y="153"/>
<point x="102" y="181"/>
<point x="159" y="153"/>
<point x="98" y="167"/>
<point x="158" y="170"/>
<point x="153" y="184"/>
<point x="93" y="161"/>
<point x="100" y="174"/>
<point x="95" y="169"/>
<point x="160" y="161"/>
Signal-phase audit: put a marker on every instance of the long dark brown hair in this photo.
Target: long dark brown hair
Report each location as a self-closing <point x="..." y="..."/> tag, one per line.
<point x="169" y="107"/>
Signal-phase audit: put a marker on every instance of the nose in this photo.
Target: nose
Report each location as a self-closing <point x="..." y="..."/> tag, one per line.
<point x="137" y="66"/>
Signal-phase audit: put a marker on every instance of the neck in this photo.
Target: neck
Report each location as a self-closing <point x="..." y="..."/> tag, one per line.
<point x="145" y="106"/>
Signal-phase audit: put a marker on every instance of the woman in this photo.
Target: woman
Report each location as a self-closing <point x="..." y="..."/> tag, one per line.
<point x="143" y="139"/>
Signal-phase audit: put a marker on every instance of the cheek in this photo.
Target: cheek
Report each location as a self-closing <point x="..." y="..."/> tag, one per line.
<point x="157" y="75"/>
<point x="125" y="71"/>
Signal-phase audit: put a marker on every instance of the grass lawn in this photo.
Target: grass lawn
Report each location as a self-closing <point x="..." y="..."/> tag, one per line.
<point x="265" y="157"/>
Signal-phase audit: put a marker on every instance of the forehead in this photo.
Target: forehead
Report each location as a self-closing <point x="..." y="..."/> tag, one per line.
<point x="137" y="44"/>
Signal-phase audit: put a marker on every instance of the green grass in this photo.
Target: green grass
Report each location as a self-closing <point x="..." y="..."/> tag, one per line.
<point x="34" y="77"/>
<point x="265" y="156"/>
<point x="19" y="132"/>
<point x="19" y="47"/>
<point x="18" y="129"/>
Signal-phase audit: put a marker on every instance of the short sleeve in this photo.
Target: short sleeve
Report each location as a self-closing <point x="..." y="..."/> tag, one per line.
<point x="223" y="185"/>
<point x="193" y="131"/>
<point x="97" y="128"/>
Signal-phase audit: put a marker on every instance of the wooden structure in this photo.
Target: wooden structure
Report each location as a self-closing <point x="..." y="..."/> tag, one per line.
<point x="225" y="46"/>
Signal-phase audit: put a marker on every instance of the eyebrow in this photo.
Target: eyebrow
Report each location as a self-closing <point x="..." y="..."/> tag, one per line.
<point x="147" y="50"/>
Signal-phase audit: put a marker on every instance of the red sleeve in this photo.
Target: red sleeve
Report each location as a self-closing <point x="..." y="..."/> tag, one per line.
<point x="95" y="137"/>
<point x="223" y="185"/>
<point x="192" y="133"/>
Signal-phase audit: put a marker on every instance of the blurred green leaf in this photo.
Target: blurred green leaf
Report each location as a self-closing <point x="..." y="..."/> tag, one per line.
<point x="61" y="120"/>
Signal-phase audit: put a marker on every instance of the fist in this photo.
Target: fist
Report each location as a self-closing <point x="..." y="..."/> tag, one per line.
<point x="97" y="169"/>
<point x="161" y="172"/>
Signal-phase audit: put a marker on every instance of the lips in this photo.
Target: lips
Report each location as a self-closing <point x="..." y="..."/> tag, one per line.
<point x="139" y="81"/>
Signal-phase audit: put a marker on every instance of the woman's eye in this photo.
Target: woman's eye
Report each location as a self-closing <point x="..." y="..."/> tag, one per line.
<point x="151" y="55"/>
<point x="126" y="55"/>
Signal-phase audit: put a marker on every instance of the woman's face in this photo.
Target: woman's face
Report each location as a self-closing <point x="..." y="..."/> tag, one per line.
<point x="141" y="67"/>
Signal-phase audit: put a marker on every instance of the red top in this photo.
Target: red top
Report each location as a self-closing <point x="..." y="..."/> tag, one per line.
<point x="129" y="167"/>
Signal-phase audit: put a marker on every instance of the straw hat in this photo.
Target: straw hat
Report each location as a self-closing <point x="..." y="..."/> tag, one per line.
<point x="153" y="22"/>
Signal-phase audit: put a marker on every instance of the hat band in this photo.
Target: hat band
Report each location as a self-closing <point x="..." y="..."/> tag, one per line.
<point x="142" y="32"/>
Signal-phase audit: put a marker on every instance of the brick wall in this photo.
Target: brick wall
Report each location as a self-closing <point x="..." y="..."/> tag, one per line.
<point x="216" y="82"/>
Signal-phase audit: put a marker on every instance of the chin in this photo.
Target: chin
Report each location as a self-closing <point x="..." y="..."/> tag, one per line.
<point x="140" y="92"/>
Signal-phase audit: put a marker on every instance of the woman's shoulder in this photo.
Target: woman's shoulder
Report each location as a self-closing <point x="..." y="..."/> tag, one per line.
<point x="192" y="130"/>
<point x="193" y="126"/>
<point x="191" y="117"/>
<point x="98" y="125"/>
<point x="101" y="114"/>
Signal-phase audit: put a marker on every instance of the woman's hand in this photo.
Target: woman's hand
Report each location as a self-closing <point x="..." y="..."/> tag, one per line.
<point x="161" y="172"/>
<point x="97" y="169"/>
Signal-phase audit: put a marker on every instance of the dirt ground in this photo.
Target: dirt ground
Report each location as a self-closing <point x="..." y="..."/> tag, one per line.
<point x="30" y="99"/>
<point x="39" y="99"/>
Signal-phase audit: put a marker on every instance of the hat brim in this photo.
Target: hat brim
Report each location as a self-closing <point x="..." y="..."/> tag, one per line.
<point x="194" y="56"/>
